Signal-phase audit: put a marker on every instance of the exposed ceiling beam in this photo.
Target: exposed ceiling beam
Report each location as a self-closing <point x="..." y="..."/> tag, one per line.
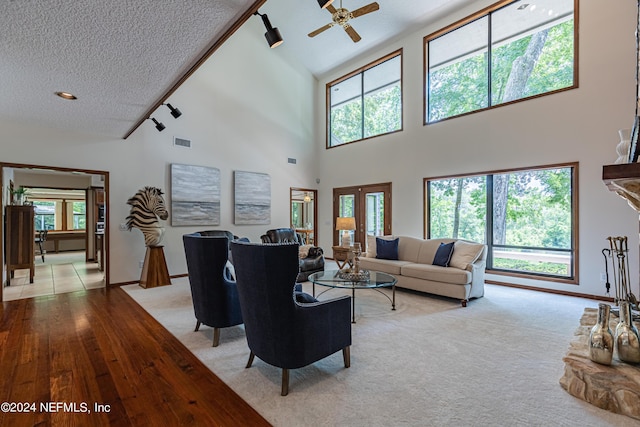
<point x="212" y="48"/>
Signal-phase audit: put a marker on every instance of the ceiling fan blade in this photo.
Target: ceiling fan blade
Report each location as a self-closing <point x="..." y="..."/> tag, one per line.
<point x="321" y="29"/>
<point x="331" y="9"/>
<point x="352" y="33"/>
<point x="371" y="7"/>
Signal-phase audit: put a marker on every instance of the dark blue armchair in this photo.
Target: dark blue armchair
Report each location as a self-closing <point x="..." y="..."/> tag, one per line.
<point x="213" y="291"/>
<point x="280" y="330"/>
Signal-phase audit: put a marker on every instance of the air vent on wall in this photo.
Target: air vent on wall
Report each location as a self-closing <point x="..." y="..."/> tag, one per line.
<point x="181" y="142"/>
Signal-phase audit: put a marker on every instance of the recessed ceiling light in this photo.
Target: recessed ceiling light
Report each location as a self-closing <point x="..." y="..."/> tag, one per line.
<point x="524" y="6"/>
<point x="66" y="95"/>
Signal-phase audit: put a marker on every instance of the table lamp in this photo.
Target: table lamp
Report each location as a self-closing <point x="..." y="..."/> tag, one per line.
<point x="346" y="224"/>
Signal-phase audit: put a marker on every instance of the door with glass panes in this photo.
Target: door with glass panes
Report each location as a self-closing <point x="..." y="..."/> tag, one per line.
<point x="370" y="205"/>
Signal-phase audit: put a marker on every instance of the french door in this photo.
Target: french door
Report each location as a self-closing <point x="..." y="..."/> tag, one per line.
<point x="370" y="205"/>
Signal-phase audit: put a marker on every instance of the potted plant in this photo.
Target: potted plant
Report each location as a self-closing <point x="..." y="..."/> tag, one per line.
<point x="18" y="195"/>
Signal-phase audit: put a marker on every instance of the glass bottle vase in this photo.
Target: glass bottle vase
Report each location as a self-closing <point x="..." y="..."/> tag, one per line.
<point x="601" y="338"/>
<point x="627" y="341"/>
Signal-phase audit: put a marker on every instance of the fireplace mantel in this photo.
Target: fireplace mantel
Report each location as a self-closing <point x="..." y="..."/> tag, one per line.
<point x="624" y="179"/>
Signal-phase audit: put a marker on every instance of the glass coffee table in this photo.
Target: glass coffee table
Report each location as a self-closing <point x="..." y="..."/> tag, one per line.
<point x="337" y="279"/>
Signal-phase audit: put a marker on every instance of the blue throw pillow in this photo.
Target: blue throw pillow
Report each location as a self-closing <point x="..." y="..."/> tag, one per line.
<point x="304" y="298"/>
<point x="443" y="254"/>
<point x="386" y="249"/>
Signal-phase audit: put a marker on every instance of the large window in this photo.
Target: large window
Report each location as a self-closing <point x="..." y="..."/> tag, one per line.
<point x="79" y="215"/>
<point x="511" y="51"/>
<point x="526" y="217"/>
<point x="366" y="103"/>
<point x="60" y="214"/>
<point x="45" y="215"/>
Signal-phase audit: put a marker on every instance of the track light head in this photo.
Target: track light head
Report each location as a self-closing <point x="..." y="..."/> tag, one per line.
<point x="159" y="125"/>
<point x="174" y="111"/>
<point x="324" y="3"/>
<point x="273" y="34"/>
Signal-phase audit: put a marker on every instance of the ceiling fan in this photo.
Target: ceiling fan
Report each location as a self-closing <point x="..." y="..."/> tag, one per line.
<point x="341" y="16"/>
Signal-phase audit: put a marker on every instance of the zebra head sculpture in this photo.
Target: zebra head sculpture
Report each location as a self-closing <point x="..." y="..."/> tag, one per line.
<point x="147" y="205"/>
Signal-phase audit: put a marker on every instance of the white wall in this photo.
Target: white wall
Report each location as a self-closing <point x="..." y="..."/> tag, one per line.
<point x="248" y="108"/>
<point x="578" y="125"/>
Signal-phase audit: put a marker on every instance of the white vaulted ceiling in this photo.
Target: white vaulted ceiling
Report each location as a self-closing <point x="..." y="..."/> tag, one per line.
<point x="122" y="57"/>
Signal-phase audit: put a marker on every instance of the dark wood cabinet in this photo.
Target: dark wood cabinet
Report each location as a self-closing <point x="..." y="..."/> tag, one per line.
<point x="19" y="240"/>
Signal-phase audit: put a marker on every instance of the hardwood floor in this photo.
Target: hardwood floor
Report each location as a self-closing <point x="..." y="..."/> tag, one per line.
<point x="98" y="347"/>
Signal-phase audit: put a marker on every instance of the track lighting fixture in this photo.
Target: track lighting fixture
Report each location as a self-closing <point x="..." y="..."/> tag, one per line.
<point x="159" y="125"/>
<point x="324" y="3"/>
<point x="272" y="35"/>
<point x="174" y="111"/>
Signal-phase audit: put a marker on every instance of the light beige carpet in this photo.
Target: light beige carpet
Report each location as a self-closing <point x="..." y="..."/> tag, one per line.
<point x="429" y="363"/>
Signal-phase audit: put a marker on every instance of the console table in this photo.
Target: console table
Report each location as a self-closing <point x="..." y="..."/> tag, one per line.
<point x="57" y="236"/>
<point x="614" y="387"/>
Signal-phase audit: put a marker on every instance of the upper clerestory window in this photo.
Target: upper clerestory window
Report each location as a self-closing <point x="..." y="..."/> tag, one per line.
<point x="366" y="102"/>
<point x="508" y="52"/>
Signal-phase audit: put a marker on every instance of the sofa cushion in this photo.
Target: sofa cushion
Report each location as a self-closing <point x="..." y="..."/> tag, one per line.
<point x="443" y="254"/>
<point x="436" y="273"/>
<point x="465" y="253"/>
<point x="387" y="249"/>
<point x="384" y="265"/>
<point x="409" y="248"/>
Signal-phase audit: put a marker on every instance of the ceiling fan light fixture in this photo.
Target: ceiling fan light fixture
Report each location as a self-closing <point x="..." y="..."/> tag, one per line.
<point x="324" y="3"/>
<point x="273" y="36"/>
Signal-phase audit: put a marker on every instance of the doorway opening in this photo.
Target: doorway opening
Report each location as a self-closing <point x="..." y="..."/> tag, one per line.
<point x="68" y="230"/>
<point x="304" y="214"/>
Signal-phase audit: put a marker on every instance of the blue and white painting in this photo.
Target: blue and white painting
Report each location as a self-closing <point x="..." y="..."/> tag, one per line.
<point x="195" y="195"/>
<point x="252" y="198"/>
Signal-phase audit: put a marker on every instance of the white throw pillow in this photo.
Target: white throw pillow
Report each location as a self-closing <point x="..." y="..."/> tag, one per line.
<point x="303" y="251"/>
<point x="465" y="253"/>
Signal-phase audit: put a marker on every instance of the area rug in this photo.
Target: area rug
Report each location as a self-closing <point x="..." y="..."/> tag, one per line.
<point x="430" y="362"/>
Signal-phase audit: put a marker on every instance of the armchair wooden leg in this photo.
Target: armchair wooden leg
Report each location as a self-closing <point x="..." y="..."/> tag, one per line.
<point x="197" y="326"/>
<point x="250" y="362"/>
<point x="464" y="302"/>
<point x="216" y="337"/>
<point x="346" y="356"/>
<point x="285" y="382"/>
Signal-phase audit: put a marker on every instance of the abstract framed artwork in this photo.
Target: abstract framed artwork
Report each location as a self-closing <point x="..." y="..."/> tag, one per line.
<point x="252" y="192"/>
<point x="195" y="195"/>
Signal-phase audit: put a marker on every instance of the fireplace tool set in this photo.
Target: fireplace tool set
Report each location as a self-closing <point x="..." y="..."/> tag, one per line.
<point x="616" y="254"/>
<point x="626" y="341"/>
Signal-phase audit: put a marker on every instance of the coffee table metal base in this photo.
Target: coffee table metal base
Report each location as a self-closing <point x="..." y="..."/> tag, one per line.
<point x="389" y="282"/>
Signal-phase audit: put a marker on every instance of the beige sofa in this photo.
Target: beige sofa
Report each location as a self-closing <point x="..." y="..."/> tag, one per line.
<point x="462" y="279"/>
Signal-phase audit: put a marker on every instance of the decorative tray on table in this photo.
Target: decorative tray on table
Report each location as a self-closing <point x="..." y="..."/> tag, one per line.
<point x="351" y="274"/>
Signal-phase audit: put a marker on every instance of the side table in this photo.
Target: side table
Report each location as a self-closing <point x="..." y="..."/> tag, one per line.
<point x="343" y="255"/>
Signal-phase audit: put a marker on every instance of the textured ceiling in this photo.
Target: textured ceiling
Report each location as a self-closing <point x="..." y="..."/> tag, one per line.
<point x="120" y="57"/>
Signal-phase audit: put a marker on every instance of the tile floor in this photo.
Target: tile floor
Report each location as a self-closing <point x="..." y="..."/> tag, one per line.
<point x="59" y="273"/>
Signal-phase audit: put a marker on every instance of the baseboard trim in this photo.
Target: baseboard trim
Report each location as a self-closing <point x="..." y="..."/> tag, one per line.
<point x="551" y="291"/>
<point x="117" y="285"/>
